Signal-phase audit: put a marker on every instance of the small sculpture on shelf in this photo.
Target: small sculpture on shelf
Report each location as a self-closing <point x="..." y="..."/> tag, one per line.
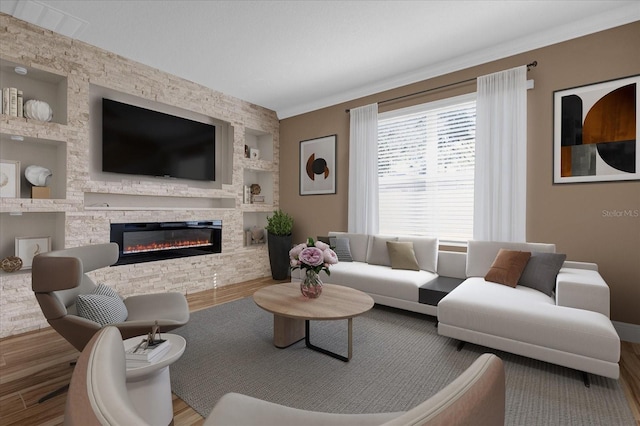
<point x="255" y="194"/>
<point x="38" y="176"/>
<point x="257" y="235"/>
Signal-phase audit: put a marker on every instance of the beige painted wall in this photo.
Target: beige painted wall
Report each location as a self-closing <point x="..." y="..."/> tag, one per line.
<point x="573" y="216"/>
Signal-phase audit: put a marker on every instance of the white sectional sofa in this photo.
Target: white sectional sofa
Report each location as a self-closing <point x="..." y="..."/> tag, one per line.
<point x="570" y="327"/>
<point x="371" y="272"/>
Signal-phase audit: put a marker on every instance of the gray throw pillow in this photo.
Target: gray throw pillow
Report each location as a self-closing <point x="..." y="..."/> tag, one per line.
<point x="103" y="306"/>
<point x="342" y="248"/>
<point x="541" y="271"/>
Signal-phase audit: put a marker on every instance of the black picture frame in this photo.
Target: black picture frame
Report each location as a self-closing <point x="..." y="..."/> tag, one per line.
<point x="593" y="138"/>
<point x="318" y="166"/>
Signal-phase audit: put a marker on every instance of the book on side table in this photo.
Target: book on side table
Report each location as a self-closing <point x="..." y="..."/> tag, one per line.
<point x="143" y="354"/>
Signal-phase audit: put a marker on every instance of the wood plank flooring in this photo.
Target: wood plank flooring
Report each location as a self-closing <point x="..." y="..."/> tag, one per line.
<point x="36" y="363"/>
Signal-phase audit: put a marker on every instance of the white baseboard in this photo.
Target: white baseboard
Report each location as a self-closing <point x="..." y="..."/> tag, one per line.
<point x="627" y="332"/>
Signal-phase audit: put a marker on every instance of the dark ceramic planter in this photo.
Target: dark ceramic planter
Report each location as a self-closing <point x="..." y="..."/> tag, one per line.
<point x="279" y="246"/>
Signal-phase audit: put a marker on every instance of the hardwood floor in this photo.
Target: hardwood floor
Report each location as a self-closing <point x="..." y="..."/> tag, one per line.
<point x="630" y="376"/>
<point x="36" y="363"/>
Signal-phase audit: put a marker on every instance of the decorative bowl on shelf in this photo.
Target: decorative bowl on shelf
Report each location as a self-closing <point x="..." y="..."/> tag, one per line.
<point x="11" y="264"/>
<point x="38" y="110"/>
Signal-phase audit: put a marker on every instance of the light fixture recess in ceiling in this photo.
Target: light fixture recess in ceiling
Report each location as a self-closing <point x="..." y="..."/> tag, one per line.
<point x="48" y="17"/>
<point x="20" y="70"/>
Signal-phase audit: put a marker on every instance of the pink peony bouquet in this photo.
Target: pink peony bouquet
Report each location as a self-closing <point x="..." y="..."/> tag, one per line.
<point x="312" y="255"/>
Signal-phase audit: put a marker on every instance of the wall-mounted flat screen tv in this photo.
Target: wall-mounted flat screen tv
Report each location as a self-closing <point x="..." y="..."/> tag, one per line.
<point x="139" y="141"/>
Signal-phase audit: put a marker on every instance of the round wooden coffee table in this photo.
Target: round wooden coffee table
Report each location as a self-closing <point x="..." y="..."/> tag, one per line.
<point x="292" y="312"/>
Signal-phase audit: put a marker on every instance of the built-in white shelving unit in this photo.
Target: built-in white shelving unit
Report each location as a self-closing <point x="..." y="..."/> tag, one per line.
<point x="33" y="142"/>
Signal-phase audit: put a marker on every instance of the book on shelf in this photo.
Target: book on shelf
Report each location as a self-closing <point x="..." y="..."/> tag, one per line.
<point x="20" y="104"/>
<point x="139" y="354"/>
<point x="246" y="197"/>
<point x="5" y="101"/>
<point x="257" y="199"/>
<point x="13" y="101"/>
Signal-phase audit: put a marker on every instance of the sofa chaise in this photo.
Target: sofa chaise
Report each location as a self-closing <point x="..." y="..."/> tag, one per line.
<point x="563" y="318"/>
<point x="570" y="327"/>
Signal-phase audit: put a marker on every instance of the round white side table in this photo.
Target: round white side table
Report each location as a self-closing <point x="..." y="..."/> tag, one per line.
<point x="149" y="386"/>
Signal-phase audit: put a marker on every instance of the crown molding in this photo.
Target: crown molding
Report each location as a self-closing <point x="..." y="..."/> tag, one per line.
<point x="613" y="18"/>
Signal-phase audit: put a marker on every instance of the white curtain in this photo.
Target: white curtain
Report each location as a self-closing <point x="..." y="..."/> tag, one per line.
<point x="363" y="170"/>
<point x="501" y="167"/>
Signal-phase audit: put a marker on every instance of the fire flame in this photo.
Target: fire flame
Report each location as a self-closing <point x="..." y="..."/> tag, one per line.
<point x="168" y="245"/>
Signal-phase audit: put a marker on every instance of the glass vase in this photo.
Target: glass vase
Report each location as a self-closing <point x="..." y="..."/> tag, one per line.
<point x="311" y="285"/>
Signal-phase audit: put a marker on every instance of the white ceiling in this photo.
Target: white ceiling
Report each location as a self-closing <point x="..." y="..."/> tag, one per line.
<point x="298" y="56"/>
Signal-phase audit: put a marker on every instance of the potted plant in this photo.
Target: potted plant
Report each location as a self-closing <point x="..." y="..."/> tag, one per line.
<point x="279" y="227"/>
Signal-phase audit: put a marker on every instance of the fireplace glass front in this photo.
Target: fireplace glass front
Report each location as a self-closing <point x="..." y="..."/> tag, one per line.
<point x="151" y="241"/>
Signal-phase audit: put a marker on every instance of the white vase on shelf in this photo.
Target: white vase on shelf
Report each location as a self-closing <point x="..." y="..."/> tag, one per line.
<point x="38" y="110"/>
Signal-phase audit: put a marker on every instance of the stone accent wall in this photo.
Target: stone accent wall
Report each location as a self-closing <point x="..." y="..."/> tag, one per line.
<point x="85" y="65"/>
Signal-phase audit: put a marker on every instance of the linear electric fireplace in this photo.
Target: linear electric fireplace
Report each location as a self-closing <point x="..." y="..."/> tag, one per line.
<point x="151" y="241"/>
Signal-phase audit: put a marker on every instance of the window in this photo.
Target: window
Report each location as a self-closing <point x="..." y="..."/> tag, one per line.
<point x="426" y="167"/>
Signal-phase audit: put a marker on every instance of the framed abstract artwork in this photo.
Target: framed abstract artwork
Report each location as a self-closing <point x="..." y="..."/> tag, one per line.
<point x="9" y="179"/>
<point x="29" y="247"/>
<point x="318" y="166"/>
<point x="595" y="132"/>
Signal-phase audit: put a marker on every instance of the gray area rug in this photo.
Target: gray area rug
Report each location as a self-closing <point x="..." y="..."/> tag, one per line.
<point x="399" y="360"/>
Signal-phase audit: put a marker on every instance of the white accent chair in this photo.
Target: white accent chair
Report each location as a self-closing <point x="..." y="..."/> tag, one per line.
<point x="59" y="276"/>
<point x="98" y="396"/>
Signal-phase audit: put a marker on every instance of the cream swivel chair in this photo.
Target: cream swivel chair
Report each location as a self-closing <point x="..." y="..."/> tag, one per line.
<point x="98" y="396"/>
<point x="59" y="276"/>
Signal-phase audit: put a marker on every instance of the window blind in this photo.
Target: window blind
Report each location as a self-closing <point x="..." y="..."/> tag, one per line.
<point x="426" y="169"/>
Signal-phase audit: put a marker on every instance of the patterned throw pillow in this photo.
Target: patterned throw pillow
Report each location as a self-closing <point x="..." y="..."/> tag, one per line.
<point x="105" y="290"/>
<point x="103" y="306"/>
<point x="342" y="248"/>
